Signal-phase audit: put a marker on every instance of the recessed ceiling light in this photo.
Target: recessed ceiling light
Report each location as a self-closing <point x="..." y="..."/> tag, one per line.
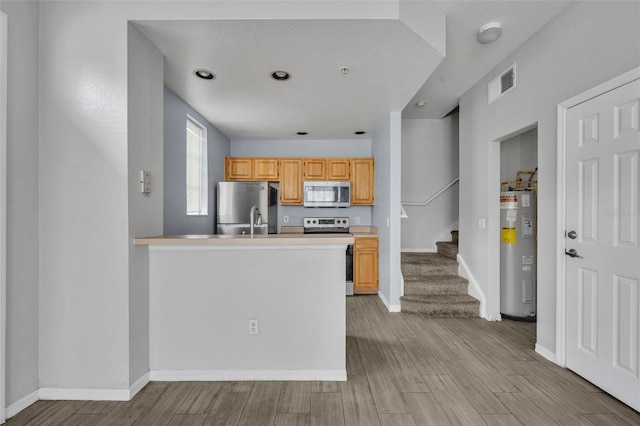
<point x="204" y="74"/>
<point x="302" y="133"/>
<point x="489" y="33"/>
<point x="280" y="75"/>
<point x="359" y="132"/>
<point x="420" y="104"/>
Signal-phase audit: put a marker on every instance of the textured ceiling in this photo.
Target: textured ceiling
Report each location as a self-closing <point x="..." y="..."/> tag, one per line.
<point x="387" y="62"/>
<point x="390" y="67"/>
<point x="468" y="61"/>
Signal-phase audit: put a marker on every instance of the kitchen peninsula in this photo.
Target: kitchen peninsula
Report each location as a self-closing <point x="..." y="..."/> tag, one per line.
<point x="240" y="307"/>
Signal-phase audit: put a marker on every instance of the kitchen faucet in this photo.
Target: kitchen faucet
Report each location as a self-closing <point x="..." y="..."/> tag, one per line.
<point x="254" y="215"/>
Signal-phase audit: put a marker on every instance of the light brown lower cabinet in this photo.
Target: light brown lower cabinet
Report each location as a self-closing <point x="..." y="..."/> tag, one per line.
<point x="365" y="265"/>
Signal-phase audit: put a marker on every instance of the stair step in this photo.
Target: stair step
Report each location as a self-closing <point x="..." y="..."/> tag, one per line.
<point x="427" y="264"/>
<point x="448" y="249"/>
<point x="441" y="305"/>
<point x="435" y="284"/>
<point x="454" y="237"/>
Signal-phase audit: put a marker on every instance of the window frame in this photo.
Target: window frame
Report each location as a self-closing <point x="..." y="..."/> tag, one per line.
<point x="204" y="181"/>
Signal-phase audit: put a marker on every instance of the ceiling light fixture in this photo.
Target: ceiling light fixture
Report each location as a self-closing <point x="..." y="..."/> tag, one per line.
<point x="360" y="132"/>
<point x="280" y="75"/>
<point x="420" y="104"/>
<point x="489" y="33"/>
<point x="204" y="74"/>
<point x="344" y="70"/>
<point x="302" y="133"/>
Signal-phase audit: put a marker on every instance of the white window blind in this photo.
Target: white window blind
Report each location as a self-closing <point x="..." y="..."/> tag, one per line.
<point x="197" y="188"/>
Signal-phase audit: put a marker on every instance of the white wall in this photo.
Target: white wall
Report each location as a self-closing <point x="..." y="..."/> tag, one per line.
<point x="84" y="221"/>
<point x="429" y="163"/>
<point x="309" y="148"/>
<point x="567" y="57"/>
<point x="203" y="297"/>
<point x="145" y="100"/>
<point x="519" y="153"/>
<point x="176" y="220"/>
<point x="386" y="148"/>
<point x="22" y="200"/>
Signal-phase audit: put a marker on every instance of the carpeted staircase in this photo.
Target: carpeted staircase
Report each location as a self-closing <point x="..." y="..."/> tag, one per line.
<point x="432" y="286"/>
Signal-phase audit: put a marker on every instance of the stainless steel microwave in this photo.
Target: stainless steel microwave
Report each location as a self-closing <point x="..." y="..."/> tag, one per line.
<point x="327" y="194"/>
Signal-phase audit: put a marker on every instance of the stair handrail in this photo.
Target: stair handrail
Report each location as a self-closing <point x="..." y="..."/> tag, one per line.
<point x="436" y="195"/>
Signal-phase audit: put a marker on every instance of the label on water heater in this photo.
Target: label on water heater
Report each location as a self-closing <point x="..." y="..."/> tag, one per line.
<point x="508" y="202"/>
<point x="509" y="235"/>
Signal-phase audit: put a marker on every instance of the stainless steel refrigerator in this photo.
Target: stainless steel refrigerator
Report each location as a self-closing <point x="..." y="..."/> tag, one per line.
<point x="237" y="200"/>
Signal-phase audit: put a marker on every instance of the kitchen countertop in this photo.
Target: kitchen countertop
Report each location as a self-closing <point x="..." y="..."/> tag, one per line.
<point x="240" y="240"/>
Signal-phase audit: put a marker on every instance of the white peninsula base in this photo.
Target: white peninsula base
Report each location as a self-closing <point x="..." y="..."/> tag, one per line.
<point x="202" y="297"/>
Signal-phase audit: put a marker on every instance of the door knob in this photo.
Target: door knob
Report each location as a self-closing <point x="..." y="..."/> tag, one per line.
<point x="572" y="234"/>
<point x="572" y="253"/>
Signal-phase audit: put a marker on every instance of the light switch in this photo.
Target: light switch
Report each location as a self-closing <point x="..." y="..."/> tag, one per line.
<point x="145" y="182"/>
<point x="482" y="223"/>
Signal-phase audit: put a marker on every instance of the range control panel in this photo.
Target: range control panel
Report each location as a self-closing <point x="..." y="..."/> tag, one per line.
<point x="326" y="224"/>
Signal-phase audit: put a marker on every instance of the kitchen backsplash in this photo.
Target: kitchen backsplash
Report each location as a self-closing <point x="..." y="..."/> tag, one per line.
<point x="297" y="213"/>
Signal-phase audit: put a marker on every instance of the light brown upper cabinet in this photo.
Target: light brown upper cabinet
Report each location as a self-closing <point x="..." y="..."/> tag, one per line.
<point x="327" y="169"/>
<point x="362" y="181"/>
<point x="291" y="181"/>
<point x="315" y="169"/>
<point x="265" y="169"/>
<point x="238" y="168"/>
<point x="338" y="168"/>
<point x="249" y="168"/>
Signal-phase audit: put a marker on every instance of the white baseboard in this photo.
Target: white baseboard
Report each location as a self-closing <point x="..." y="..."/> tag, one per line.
<point x="546" y="353"/>
<point x="139" y="384"/>
<point x="474" y="289"/>
<point x="390" y="307"/>
<point x="247" y="375"/>
<point x="21" y="404"/>
<point x="79" y="394"/>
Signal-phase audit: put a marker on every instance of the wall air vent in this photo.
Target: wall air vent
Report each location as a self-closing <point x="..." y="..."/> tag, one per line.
<point x="502" y="84"/>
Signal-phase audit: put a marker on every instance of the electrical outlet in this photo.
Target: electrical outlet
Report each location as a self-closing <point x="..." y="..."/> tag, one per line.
<point x="145" y="182"/>
<point x="253" y="326"/>
<point x="285" y="219"/>
<point x="357" y="220"/>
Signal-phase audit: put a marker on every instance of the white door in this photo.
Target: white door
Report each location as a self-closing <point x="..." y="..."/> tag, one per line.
<point x="602" y="219"/>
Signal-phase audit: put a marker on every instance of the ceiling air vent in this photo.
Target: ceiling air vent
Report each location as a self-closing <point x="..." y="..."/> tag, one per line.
<point x="502" y="84"/>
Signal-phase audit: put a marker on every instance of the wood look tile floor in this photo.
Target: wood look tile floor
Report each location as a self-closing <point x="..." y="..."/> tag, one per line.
<point x="402" y="370"/>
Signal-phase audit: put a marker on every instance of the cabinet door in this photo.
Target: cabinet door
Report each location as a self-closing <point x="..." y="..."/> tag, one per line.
<point x="291" y="181"/>
<point x="265" y="169"/>
<point x="238" y="168"/>
<point x="315" y="169"/>
<point x="365" y="266"/>
<point x="362" y="181"/>
<point x="338" y="169"/>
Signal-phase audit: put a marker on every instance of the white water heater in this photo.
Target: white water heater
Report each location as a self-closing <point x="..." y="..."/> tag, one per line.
<point x="518" y="261"/>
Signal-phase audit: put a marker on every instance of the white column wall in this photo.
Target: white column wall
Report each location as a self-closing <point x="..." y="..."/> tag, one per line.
<point x="386" y="149"/>
<point x="84" y="232"/>
<point x="145" y="151"/>
<point x="22" y="200"/>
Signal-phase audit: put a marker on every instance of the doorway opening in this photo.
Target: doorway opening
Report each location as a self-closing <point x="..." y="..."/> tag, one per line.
<point x="518" y="226"/>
